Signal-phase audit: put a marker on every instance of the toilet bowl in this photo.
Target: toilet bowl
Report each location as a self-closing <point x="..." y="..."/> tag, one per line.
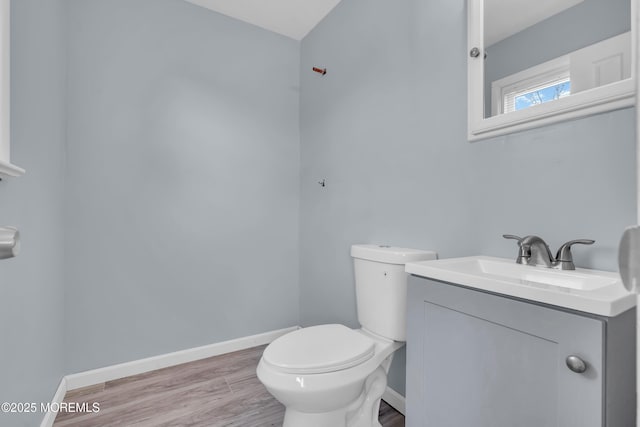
<point x="327" y="388"/>
<point x="334" y="376"/>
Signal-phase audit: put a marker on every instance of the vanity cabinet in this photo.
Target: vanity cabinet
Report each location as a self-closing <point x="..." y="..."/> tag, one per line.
<point x="480" y="359"/>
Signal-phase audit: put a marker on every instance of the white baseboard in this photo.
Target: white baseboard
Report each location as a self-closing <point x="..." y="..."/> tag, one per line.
<point x="394" y="399"/>
<point x="114" y="372"/>
<point x="50" y="416"/>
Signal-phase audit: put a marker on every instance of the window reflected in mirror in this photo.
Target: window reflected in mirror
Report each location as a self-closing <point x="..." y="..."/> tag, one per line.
<point x="538" y="52"/>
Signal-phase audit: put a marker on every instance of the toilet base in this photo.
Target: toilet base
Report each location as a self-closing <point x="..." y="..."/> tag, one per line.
<point x="363" y="412"/>
<point x="293" y="418"/>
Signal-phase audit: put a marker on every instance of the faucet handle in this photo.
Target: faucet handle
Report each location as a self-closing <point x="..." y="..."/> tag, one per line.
<point x="524" y="253"/>
<point x="511" y="236"/>
<point x="564" y="257"/>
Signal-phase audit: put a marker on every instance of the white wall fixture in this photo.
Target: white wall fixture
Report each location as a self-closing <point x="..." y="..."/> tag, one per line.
<point x="611" y="93"/>
<point x="6" y="168"/>
<point x="9" y="242"/>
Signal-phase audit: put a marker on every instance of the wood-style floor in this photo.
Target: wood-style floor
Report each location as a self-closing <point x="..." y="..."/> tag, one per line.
<point x="218" y="391"/>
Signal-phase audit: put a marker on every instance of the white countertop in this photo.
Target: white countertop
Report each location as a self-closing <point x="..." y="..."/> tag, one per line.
<point x="591" y="291"/>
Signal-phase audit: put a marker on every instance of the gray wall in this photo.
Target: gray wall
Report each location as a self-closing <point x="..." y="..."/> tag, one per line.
<point x="32" y="294"/>
<point x="580" y="26"/>
<point x="183" y="180"/>
<point x="387" y="128"/>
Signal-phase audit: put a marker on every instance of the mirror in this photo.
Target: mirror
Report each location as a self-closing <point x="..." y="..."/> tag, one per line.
<point x="535" y="63"/>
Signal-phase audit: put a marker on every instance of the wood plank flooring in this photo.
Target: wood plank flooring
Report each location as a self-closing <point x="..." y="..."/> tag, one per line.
<point x="214" y="392"/>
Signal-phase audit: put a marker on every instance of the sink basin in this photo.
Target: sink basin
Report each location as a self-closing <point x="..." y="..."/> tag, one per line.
<point x="498" y="268"/>
<point x="591" y="291"/>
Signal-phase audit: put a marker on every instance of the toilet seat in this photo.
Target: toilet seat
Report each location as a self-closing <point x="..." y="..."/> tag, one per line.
<point x="319" y="349"/>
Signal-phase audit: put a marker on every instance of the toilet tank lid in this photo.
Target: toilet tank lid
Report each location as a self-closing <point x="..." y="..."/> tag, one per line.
<point x="391" y="254"/>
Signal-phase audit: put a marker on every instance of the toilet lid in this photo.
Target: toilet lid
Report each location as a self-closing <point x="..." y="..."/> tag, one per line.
<point x="319" y="349"/>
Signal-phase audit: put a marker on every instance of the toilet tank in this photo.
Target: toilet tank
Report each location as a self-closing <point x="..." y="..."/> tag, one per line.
<point x="381" y="287"/>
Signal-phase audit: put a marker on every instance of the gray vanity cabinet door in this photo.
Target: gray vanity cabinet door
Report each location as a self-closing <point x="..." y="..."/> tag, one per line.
<point x="480" y="360"/>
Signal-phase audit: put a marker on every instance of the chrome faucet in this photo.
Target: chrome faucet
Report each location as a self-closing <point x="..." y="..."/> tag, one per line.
<point x="535" y="251"/>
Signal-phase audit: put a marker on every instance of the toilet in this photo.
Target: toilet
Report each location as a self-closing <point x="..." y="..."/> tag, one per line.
<point x="334" y="376"/>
